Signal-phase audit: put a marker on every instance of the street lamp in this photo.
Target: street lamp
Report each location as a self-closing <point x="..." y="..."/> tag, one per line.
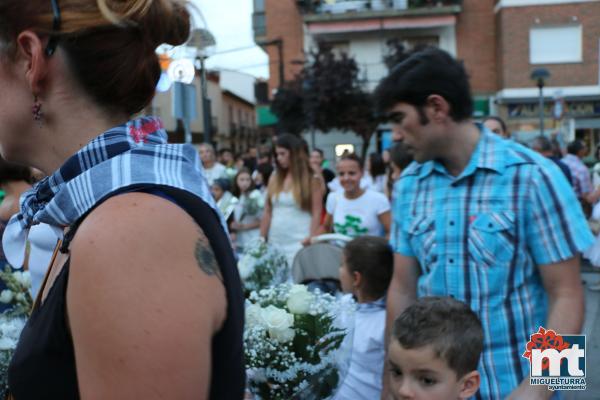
<point x="204" y="42"/>
<point x="539" y="75"/>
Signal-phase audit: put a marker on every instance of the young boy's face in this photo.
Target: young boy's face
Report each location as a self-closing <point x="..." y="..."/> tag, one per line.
<point x="418" y="374"/>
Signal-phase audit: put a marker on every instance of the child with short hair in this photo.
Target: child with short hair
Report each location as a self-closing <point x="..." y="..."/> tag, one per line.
<point x="366" y="272"/>
<point x="434" y="350"/>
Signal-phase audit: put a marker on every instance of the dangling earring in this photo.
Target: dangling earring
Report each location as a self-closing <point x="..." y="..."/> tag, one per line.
<point x="36" y="110"/>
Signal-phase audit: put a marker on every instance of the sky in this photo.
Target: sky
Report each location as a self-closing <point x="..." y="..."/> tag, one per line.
<point x="230" y="21"/>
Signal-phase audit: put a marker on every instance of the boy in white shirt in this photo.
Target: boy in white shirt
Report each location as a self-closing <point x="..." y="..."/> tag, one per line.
<point x="365" y="272"/>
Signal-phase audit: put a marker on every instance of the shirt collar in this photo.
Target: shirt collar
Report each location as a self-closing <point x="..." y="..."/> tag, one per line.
<point x="490" y="153"/>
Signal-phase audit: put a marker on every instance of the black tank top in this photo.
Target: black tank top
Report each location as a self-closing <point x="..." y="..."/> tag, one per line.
<point x="43" y="366"/>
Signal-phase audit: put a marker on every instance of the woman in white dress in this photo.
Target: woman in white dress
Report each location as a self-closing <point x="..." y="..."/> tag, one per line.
<point x="294" y="198"/>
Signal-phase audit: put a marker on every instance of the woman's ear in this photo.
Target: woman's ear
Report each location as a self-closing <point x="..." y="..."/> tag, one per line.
<point x="469" y="384"/>
<point x="32" y="60"/>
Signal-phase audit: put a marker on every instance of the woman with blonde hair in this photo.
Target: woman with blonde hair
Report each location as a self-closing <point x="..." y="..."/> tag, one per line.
<point x="294" y="198"/>
<point x="142" y="299"/>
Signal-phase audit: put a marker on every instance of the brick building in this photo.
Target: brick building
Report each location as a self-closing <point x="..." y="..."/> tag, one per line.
<point x="500" y="42"/>
<point x="562" y="37"/>
<point x="233" y="116"/>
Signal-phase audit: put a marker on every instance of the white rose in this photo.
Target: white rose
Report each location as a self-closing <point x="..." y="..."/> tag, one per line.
<point x="282" y="336"/>
<point x="299" y="299"/>
<point x="253" y="316"/>
<point x="6" y="296"/>
<point x="26" y="282"/>
<point x="7" y="344"/>
<point x="278" y="322"/>
<point x="246" y="266"/>
<point x="20" y="297"/>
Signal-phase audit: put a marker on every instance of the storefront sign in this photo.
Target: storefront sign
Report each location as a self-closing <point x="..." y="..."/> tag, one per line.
<point x="572" y="109"/>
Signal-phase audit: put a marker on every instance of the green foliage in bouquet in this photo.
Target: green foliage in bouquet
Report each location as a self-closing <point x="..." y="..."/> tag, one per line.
<point x="13" y="320"/>
<point x="292" y="343"/>
<point x="262" y="266"/>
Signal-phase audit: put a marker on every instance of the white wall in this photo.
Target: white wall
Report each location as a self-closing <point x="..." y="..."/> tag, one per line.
<point x="369" y="48"/>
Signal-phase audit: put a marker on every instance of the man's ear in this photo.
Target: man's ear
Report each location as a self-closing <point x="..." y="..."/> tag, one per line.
<point x="356" y="279"/>
<point x="439" y="108"/>
<point x="32" y="59"/>
<point x="469" y="384"/>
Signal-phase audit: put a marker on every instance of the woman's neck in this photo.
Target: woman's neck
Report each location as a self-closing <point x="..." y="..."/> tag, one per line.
<point x="354" y="194"/>
<point x="72" y="119"/>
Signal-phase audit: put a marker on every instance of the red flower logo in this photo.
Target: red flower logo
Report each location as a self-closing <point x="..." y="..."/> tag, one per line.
<point x="545" y="339"/>
<point x="141" y="134"/>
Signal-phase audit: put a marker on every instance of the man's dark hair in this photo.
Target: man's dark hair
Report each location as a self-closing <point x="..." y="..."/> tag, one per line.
<point x="448" y="325"/>
<point x="225" y="150"/>
<point x="575" y="147"/>
<point x="372" y="256"/>
<point x="399" y="156"/>
<point x="542" y="144"/>
<point x="319" y="151"/>
<point x="426" y="72"/>
<point x="353" y="157"/>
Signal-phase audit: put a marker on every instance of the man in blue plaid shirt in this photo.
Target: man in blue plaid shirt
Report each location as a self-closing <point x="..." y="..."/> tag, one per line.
<point x="482" y="219"/>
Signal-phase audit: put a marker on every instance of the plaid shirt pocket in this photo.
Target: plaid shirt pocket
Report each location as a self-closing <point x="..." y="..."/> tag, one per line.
<point x="492" y="238"/>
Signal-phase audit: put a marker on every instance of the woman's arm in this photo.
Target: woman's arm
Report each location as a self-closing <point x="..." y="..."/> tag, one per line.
<point x="265" y="221"/>
<point x="316" y="205"/>
<point x="144" y="300"/>
<point x="385" y="219"/>
<point x="327" y="225"/>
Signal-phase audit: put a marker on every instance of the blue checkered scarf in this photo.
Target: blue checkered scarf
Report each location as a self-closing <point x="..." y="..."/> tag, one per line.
<point x="135" y="154"/>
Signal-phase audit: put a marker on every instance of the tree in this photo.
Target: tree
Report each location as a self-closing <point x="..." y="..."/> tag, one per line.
<point x="288" y="106"/>
<point x="329" y="94"/>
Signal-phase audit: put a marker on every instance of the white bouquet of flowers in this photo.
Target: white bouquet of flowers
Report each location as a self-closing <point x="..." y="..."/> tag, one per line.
<point x="253" y="204"/>
<point x="293" y="343"/>
<point x="13" y="320"/>
<point x="16" y="293"/>
<point x="10" y="330"/>
<point x="262" y="265"/>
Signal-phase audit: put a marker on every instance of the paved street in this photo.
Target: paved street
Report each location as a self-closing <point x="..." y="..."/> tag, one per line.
<point x="592" y="329"/>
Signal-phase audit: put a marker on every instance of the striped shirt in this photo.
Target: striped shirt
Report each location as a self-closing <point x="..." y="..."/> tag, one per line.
<point x="479" y="236"/>
<point x="582" y="181"/>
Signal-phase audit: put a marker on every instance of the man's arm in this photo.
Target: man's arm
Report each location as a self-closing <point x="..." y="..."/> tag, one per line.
<point x="562" y="282"/>
<point x="402" y="292"/>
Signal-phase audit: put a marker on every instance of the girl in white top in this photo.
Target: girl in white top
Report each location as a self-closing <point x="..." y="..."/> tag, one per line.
<point x="294" y="198"/>
<point x="248" y="211"/>
<point x="365" y="272"/>
<point x="356" y="211"/>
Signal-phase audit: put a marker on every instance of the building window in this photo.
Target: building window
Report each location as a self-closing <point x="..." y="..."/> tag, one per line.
<point x="259" y="6"/>
<point x="259" y="24"/>
<point x="555" y="45"/>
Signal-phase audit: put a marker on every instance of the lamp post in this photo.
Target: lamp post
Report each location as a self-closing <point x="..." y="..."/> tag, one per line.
<point x="204" y="42"/>
<point x="539" y="75"/>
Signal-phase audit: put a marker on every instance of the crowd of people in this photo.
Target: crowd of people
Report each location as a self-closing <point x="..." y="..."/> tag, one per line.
<point x="461" y="242"/>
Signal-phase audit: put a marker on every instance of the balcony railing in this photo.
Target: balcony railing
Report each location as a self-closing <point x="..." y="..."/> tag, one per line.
<point x="344" y="6"/>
